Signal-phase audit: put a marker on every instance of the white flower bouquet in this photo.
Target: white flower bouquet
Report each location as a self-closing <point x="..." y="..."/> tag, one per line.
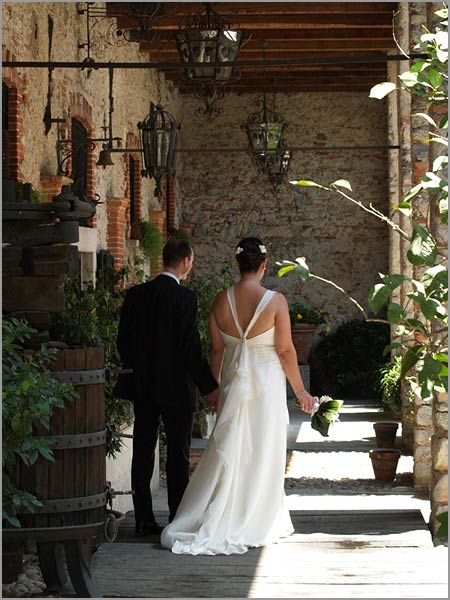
<point x="326" y="412"/>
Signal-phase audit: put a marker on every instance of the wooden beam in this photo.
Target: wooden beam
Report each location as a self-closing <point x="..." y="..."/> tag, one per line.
<point x="349" y="21"/>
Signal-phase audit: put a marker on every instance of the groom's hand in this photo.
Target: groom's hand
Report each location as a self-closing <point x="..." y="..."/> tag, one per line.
<point x="212" y="401"/>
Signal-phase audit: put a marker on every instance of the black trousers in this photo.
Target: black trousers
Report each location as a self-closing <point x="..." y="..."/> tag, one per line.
<point x="178" y="427"/>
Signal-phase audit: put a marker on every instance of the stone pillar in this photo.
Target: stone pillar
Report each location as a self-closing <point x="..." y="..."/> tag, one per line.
<point x="439" y="450"/>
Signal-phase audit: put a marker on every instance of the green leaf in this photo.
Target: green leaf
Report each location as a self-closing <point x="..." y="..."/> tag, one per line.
<point x="422" y="250"/>
<point x="393" y="281"/>
<point x="342" y="183"/>
<point x="427" y="376"/>
<point x="443" y="210"/>
<point x="390" y="347"/>
<point x="302" y="268"/>
<point x="435" y="278"/>
<point x="409" y="360"/>
<point x="394" y="312"/>
<point x="382" y="89"/>
<point x="442" y="531"/>
<point x="435" y="78"/>
<point x="307" y="183"/>
<point x="426" y="117"/>
<point x="404" y="207"/>
<point x="439" y="162"/>
<point x="286" y="269"/>
<point x="378" y="296"/>
<point x="413" y="192"/>
<point x="443" y="124"/>
<point x="47" y="453"/>
<point x="408" y="78"/>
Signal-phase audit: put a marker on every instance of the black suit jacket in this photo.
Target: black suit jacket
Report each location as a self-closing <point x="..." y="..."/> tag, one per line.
<point x="158" y="338"/>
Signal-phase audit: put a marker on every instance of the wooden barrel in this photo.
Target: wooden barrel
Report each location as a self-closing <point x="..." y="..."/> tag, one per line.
<point x="73" y="487"/>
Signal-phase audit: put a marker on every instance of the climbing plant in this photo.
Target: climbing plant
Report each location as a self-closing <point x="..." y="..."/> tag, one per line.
<point x="420" y="325"/>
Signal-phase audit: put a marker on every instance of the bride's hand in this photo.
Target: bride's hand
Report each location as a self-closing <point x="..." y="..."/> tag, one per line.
<point x="306" y="401"/>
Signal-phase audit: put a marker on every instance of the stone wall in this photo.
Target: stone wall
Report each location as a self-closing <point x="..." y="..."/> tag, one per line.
<point x="84" y="95"/>
<point x="225" y="199"/>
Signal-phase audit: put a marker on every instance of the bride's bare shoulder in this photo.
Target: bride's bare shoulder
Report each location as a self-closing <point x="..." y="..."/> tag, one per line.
<point x="219" y="299"/>
<point x="280" y="301"/>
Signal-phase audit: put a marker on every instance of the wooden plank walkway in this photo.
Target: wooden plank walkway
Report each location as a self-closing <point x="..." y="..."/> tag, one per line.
<point x="349" y="542"/>
<point x="351" y="554"/>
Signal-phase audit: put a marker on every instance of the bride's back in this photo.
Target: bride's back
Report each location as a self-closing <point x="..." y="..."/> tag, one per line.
<point x="247" y="297"/>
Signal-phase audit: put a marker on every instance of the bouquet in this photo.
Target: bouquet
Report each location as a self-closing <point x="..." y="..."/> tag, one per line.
<point x="326" y="412"/>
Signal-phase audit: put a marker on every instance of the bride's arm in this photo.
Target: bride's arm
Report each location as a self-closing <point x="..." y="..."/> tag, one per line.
<point x="287" y="354"/>
<point x="215" y="355"/>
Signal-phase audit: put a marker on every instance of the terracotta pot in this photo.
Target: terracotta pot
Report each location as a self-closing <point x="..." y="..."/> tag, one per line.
<point x="385" y="434"/>
<point x="302" y="335"/>
<point x="384" y="463"/>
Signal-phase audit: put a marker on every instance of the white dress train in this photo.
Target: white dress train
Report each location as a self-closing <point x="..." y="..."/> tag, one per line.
<point x="235" y="498"/>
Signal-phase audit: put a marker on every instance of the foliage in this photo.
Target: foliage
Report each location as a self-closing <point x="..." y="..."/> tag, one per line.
<point x="345" y="362"/>
<point x="91" y="318"/>
<point x="206" y="289"/>
<point x="312" y="315"/>
<point x="442" y="519"/>
<point x="178" y="234"/>
<point x="36" y="195"/>
<point x="29" y="395"/>
<point x="389" y="384"/>
<point x="152" y="241"/>
<point x="420" y="324"/>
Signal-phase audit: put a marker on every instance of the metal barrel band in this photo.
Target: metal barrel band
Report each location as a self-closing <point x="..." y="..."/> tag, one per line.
<point x="80" y="377"/>
<point x="61" y="505"/>
<point x="76" y="440"/>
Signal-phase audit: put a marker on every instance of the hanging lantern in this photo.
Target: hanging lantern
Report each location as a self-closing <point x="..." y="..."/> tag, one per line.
<point x="159" y="135"/>
<point x="209" y="38"/>
<point x="265" y="133"/>
<point x="265" y="129"/>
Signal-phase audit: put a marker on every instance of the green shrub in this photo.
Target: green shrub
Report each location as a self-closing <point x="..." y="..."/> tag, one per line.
<point x="29" y="395"/>
<point x="389" y="384"/>
<point x="345" y="362"/>
<point x="91" y="318"/>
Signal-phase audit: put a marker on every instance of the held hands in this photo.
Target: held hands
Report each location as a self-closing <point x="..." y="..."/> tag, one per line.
<point x="212" y="401"/>
<point x="306" y="401"/>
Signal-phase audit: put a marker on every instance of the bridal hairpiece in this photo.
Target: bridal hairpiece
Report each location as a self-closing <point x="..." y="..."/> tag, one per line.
<point x="262" y="249"/>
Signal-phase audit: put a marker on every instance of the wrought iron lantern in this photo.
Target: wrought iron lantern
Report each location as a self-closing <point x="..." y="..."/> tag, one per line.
<point x="209" y="38"/>
<point x="159" y="136"/>
<point x="265" y="131"/>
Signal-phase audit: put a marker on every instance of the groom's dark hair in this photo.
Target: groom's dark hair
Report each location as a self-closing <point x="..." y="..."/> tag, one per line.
<point x="174" y="252"/>
<point x="250" y="253"/>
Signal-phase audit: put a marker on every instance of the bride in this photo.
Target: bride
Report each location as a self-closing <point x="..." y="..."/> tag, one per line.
<point x="235" y="499"/>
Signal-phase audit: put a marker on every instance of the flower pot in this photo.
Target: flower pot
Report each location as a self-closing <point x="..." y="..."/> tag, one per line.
<point x="384" y="463"/>
<point x="302" y="335"/>
<point x="385" y="434"/>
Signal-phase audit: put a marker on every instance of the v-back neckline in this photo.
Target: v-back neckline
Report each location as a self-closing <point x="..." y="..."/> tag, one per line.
<point x="234" y="312"/>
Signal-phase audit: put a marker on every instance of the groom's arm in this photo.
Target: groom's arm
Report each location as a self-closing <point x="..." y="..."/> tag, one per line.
<point x="191" y="348"/>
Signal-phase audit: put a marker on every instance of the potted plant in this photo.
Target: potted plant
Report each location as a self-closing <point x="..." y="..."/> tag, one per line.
<point x="304" y="321"/>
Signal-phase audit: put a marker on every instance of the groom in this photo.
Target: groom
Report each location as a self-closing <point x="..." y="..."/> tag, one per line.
<point x="158" y="338"/>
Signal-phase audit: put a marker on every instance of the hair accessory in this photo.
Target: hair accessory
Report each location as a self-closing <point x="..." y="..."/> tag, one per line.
<point x="239" y="250"/>
<point x="262" y="249"/>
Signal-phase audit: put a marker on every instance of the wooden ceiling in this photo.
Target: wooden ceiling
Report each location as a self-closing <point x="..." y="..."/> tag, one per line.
<point x="328" y="31"/>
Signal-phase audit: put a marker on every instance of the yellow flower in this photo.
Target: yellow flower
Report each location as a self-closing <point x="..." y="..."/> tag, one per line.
<point x="299" y="316"/>
<point x="327" y="328"/>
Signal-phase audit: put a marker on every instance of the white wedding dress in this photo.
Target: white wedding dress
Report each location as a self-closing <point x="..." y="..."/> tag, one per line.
<point x="235" y="498"/>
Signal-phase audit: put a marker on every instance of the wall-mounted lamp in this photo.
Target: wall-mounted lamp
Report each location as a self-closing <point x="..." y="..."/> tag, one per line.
<point x="65" y="149"/>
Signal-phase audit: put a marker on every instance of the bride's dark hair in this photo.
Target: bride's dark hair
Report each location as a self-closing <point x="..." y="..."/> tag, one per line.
<point x="250" y="253"/>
